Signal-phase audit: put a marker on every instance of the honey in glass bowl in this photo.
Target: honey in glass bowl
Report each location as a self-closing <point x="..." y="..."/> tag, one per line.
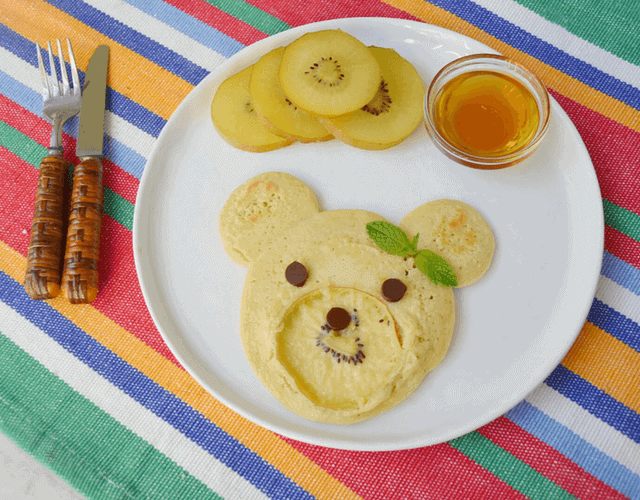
<point x="485" y="111"/>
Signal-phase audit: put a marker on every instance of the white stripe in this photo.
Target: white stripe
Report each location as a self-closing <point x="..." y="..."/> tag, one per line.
<point x="619" y="298"/>
<point x="564" y="40"/>
<point x="119" y="128"/>
<point x="162" y="33"/>
<point x="590" y="428"/>
<point x="158" y="433"/>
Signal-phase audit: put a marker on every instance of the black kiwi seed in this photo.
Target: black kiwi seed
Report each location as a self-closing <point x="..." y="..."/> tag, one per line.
<point x="337" y="355"/>
<point x="381" y="103"/>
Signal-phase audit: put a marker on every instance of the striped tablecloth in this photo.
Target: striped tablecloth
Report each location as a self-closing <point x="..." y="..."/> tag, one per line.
<point x="93" y="392"/>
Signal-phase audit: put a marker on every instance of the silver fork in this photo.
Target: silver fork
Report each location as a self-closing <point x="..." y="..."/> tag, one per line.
<point x="60" y="102"/>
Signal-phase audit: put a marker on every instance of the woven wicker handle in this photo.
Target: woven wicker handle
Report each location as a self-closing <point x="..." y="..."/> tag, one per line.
<point x="42" y="278"/>
<point x="80" y="276"/>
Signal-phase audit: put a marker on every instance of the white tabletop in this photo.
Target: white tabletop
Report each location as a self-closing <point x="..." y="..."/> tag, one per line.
<point x="24" y="478"/>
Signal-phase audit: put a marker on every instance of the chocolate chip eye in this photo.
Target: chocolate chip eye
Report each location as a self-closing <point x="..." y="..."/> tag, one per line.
<point x="338" y="318"/>
<point x="296" y="274"/>
<point x="393" y="290"/>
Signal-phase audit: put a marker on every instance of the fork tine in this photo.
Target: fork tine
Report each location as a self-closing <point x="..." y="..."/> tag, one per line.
<point x="55" y="85"/>
<point x="43" y="72"/>
<point x="74" y="69"/>
<point x="63" y="70"/>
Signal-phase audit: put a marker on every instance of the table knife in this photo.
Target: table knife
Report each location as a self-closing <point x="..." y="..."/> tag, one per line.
<point x="80" y="275"/>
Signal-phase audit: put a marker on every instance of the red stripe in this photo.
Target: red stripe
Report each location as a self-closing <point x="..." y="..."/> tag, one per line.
<point x="299" y="13"/>
<point x="547" y="461"/>
<point x="220" y="20"/>
<point x="120" y="297"/>
<point x="614" y="152"/>
<point x="39" y="130"/>
<point x="431" y="473"/>
<point x="17" y="202"/>
<point x="622" y="246"/>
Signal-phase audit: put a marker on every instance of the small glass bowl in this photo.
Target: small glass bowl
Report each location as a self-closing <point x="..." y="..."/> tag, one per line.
<point x="493" y="63"/>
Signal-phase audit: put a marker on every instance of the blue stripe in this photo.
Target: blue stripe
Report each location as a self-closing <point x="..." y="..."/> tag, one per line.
<point x="567" y="442"/>
<point x="623" y="273"/>
<point x="139" y="43"/>
<point x="136" y="114"/>
<point x="24" y="48"/>
<point x="152" y="396"/>
<point x="193" y="28"/>
<point x="524" y="41"/>
<point x="128" y="159"/>
<point x="595" y="401"/>
<point x="125" y="157"/>
<point x="614" y="323"/>
<point x="127" y="109"/>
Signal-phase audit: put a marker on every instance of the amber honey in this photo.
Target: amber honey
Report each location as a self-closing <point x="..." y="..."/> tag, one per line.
<point x="486" y="113"/>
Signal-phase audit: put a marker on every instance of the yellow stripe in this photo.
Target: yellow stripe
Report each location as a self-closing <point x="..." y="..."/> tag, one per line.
<point x="133" y="76"/>
<point x="607" y="363"/>
<point x="265" y="443"/>
<point x="552" y="78"/>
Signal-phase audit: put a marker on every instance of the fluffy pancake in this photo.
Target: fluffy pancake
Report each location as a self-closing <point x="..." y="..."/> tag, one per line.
<point x="456" y="231"/>
<point x="354" y="372"/>
<point x="259" y="210"/>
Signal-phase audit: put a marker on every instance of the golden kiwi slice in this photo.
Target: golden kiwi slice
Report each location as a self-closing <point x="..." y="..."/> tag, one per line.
<point x="329" y="73"/>
<point x="235" y="119"/>
<point x="392" y="115"/>
<point x="276" y="111"/>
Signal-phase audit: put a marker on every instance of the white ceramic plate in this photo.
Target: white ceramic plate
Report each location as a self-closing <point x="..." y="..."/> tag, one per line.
<point x="513" y="326"/>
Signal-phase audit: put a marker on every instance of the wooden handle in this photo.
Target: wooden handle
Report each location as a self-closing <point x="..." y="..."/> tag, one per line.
<point x="42" y="278"/>
<point x="80" y="276"/>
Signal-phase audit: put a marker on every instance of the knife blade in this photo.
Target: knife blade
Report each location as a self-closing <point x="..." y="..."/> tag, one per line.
<point x="91" y="127"/>
<point x="80" y="274"/>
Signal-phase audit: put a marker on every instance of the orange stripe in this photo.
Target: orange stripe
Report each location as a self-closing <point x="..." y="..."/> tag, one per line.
<point x="129" y="73"/>
<point x="265" y="443"/>
<point x="607" y="363"/>
<point x="552" y="78"/>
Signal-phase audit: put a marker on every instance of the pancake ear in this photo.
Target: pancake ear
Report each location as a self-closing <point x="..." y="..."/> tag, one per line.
<point x="458" y="233"/>
<point x="259" y="210"/>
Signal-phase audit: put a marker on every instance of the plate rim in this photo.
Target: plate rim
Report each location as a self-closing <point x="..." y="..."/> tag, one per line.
<point x="138" y="235"/>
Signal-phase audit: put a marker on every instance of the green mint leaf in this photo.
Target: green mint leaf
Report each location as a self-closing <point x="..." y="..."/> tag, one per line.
<point x="390" y="238"/>
<point x="437" y="269"/>
<point x="414" y="243"/>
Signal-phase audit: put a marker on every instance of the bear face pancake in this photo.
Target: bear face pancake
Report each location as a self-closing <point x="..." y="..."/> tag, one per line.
<point x="367" y="355"/>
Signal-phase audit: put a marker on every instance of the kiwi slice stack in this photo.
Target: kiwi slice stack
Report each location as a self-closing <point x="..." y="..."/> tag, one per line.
<point x="235" y="118"/>
<point x="324" y="84"/>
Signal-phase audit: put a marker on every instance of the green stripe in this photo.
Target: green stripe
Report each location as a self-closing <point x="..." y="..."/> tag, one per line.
<point x="612" y="26"/>
<point x="30" y="151"/>
<point x="621" y="219"/>
<point x="508" y="468"/>
<point x="88" y="448"/>
<point x="251" y="15"/>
